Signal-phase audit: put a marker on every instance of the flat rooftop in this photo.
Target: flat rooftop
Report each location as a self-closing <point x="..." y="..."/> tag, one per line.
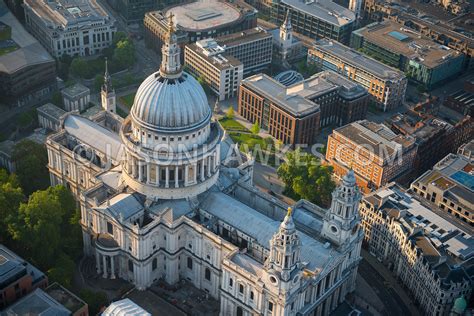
<point x="209" y="51"/>
<point x="67" y="12"/>
<point x="376" y="138"/>
<point x="13" y="265"/>
<point x="51" y="110"/>
<point x="30" y="51"/>
<point x="37" y="303"/>
<point x="294" y="103"/>
<point x="325" y="10"/>
<point x="243" y="37"/>
<point x="353" y="57"/>
<point x="297" y="98"/>
<point x="75" y="90"/>
<point x="402" y="40"/>
<point x="203" y="15"/>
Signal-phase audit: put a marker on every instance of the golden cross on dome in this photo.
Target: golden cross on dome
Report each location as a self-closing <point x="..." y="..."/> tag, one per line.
<point x="289" y="211"/>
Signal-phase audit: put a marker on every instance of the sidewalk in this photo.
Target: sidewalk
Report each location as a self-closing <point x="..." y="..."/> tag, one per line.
<point x="391" y="281"/>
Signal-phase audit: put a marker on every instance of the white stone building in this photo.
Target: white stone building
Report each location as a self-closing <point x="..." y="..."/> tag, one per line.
<point x="76" y="97"/>
<point x="72" y="27"/>
<point x="164" y="196"/>
<point x="430" y="254"/>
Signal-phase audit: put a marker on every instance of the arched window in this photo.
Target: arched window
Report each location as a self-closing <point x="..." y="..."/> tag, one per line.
<point x="207" y="274"/>
<point x="251" y="295"/>
<point x="190" y="263"/>
<point x="240" y="312"/>
<point x="231" y="282"/>
<point x="154" y="264"/>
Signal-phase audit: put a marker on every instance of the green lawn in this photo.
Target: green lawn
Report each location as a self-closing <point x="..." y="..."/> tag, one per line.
<point x="127" y="100"/>
<point x="231" y="124"/>
<point x="7" y="50"/>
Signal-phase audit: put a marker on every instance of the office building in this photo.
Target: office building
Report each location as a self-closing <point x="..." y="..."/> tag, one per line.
<point x="179" y="213"/>
<point x="72" y="27"/>
<point x="220" y="71"/>
<point x="252" y="47"/>
<point x="387" y="85"/>
<point x="316" y="19"/>
<point x="434" y="137"/>
<point x="199" y="20"/>
<point x="27" y="70"/>
<point x="133" y="11"/>
<point x="428" y="253"/>
<point x="449" y="186"/>
<point x="376" y="154"/>
<point x="295" y="113"/>
<point x="17" y="277"/>
<point x="420" y="58"/>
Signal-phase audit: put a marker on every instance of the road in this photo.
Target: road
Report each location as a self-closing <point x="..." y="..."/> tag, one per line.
<point x="394" y="305"/>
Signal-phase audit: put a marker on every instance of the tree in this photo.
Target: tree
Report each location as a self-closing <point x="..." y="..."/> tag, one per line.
<point x="79" y="67"/>
<point x="255" y="129"/>
<point x="31" y="160"/>
<point x="306" y="178"/>
<point x="119" y="36"/>
<point x="95" y="300"/>
<point x="63" y="271"/>
<point x="230" y="113"/>
<point x="37" y="229"/>
<point x="10" y="197"/>
<point x="124" y="53"/>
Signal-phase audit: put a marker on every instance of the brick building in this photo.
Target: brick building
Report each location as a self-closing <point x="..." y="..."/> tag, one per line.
<point x="375" y="153"/>
<point x="324" y="99"/>
<point x="17" y="277"/>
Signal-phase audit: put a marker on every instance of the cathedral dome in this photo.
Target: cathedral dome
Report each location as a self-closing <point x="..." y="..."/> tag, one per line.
<point x="168" y="103"/>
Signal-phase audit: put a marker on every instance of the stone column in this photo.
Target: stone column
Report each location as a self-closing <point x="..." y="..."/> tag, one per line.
<point x="134" y="167"/>
<point x="157" y="171"/>
<point x="195" y="167"/>
<point x="202" y="169"/>
<point x="167" y="182"/>
<point x="186" y="175"/>
<point x="104" y="261"/>
<point x="209" y="166"/>
<point x="148" y="178"/>
<point x="176" y="184"/>
<point x="140" y="172"/>
<point x="112" y="267"/>
<point x="97" y="262"/>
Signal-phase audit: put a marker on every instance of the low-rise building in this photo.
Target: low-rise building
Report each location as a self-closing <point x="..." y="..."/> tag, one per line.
<point x="428" y="253"/>
<point x="376" y="154"/>
<point x="450" y="186"/>
<point x="27" y="70"/>
<point x="71" y="27"/>
<point x="252" y="47"/>
<point x="462" y="101"/>
<point x="54" y="300"/>
<point x="435" y="138"/>
<point x="294" y="114"/>
<point x="387" y="85"/>
<point x="199" y="20"/>
<point x="220" y="71"/>
<point x="316" y="19"/>
<point x="419" y="57"/>
<point x="49" y="116"/>
<point x="76" y="97"/>
<point x="17" y="277"/>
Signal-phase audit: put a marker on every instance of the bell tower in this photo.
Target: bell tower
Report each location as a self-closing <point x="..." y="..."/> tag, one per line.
<point x="286" y="36"/>
<point x="342" y="219"/>
<point x="107" y="92"/>
<point x="283" y="264"/>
